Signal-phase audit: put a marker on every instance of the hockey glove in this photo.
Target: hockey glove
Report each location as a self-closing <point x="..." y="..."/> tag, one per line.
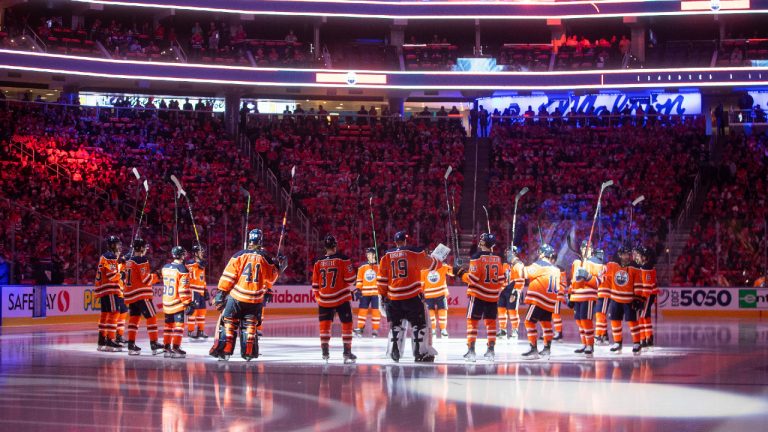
<point x="637" y="304"/>
<point x="459" y="270"/>
<point x="221" y="300"/>
<point x="582" y="274"/>
<point x="206" y="295"/>
<point x="190" y="310"/>
<point x="357" y="295"/>
<point x="282" y="263"/>
<point x="513" y="296"/>
<point x="569" y="303"/>
<point x="268" y="297"/>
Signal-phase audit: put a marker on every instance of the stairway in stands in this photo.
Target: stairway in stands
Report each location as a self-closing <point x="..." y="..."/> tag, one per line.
<point x="471" y="216"/>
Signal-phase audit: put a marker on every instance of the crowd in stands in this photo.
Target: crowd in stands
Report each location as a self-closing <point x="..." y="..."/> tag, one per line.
<point x="96" y="150"/>
<point x="727" y="244"/>
<point x="394" y="165"/>
<point x="436" y="54"/>
<point x="578" y="52"/>
<point x="564" y="165"/>
<point x="741" y="52"/>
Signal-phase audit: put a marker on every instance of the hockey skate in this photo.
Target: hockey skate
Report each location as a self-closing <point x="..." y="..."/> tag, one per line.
<point x="531" y="354"/>
<point x="167" y="351"/>
<point x="119" y="340"/>
<point x="513" y="334"/>
<point x="374" y="334"/>
<point x="102" y="344"/>
<point x="581" y="350"/>
<point x="546" y="351"/>
<point x="395" y="353"/>
<point x="470" y="356"/>
<point x="358" y="332"/>
<point x="133" y="350"/>
<point x="425" y="358"/>
<point x="177" y="352"/>
<point x="192" y="335"/>
<point x="490" y="354"/>
<point x="558" y="336"/>
<point x="326" y="352"/>
<point x="589" y="352"/>
<point x="636" y="348"/>
<point x="602" y="340"/>
<point x="502" y="333"/>
<point x="201" y="334"/>
<point x="349" y="358"/>
<point x="444" y="333"/>
<point x="616" y="348"/>
<point x="156" y="347"/>
<point x="112" y="346"/>
<point x="649" y="343"/>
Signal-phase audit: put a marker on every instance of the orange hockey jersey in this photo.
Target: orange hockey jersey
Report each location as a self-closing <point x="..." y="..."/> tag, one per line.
<point x="543" y="284"/>
<point x="647" y="281"/>
<point x="108" y="276"/>
<point x="248" y="276"/>
<point x="332" y="277"/>
<point x="434" y="283"/>
<point x="366" y="279"/>
<point x="621" y="281"/>
<point x="196" y="277"/>
<point x="400" y="272"/>
<point x="137" y="279"/>
<point x="485" y="278"/>
<point x="582" y="291"/>
<point x="514" y="274"/>
<point x="176" y="293"/>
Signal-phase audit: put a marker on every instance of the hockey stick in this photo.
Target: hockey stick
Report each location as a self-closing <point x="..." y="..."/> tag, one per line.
<point x="373" y="227"/>
<point x="136" y="200"/>
<point x="182" y="192"/>
<point x="487" y="219"/>
<point x="519" y="195"/>
<point x="144" y="206"/>
<point x="603" y="187"/>
<point x="247" y="213"/>
<point x="637" y="201"/>
<point x="455" y="228"/>
<point x="448" y="204"/>
<point x="287" y="206"/>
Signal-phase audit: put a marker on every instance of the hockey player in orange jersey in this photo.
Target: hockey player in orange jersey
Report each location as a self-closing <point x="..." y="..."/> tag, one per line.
<point x="434" y="283"/>
<point x="138" y="280"/>
<point x="485" y="280"/>
<point x="369" y="302"/>
<point x="242" y="291"/>
<point x="200" y="296"/>
<point x="507" y="306"/>
<point x="557" y="318"/>
<point x="582" y="295"/>
<point x="543" y="278"/>
<point x="399" y="284"/>
<point x="176" y="300"/>
<point x="332" y="277"/>
<point x="625" y="299"/>
<point x="649" y="292"/>
<point x="107" y="290"/>
<point x="601" y="307"/>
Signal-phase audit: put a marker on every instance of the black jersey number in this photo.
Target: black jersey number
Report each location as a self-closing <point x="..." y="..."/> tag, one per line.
<point x="250" y="275"/>
<point x="491" y="269"/>
<point x="324" y="274"/>
<point x="399" y="268"/>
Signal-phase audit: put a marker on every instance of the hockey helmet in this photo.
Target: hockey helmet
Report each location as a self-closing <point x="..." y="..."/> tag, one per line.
<point x="401" y="236"/>
<point x="370" y="250"/>
<point x="112" y="240"/>
<point x="139" y="244"/>
<point x="255" y="237"/>
<point x="329" y="242"/>
<point x="178" y="252"/>
<point x="511" y="253"/>
<point x="599" y="254"/>
<point x="546" y="250"/>
<point x="624" y="250"/>
<point x="198" y="248"/>
<point x="489" y="239"/>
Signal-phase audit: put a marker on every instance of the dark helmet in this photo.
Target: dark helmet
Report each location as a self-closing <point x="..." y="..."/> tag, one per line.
<point x="329" y="242"/>
<point x="112" y="240"/>
<point x="139" y="244"/>
<point x="401" y="236"/>
<point x="624" y="249"/>
<point x="546" y="251"/>
<point x="178" y="252"/>
<point x="198" y="248"/>
<point x="256" y="237"/>
<point x="599" y="254"/>
<point x="511" y="253"/>
<point x="489" y="239"/>
<point x="370" y="250"/>
<point x="642" y="251"/>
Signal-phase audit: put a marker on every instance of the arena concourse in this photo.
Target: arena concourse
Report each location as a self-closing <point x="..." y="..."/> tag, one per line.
<point x="388" y="215"/>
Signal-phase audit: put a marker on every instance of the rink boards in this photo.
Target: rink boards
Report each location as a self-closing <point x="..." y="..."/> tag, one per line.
<point x="67" y="303"/>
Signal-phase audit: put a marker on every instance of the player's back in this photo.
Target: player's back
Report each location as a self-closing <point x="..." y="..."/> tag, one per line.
<point x="543" y="284"/>
<point x="648" y="281"/>
<point x="175" y="287"/>
<point x="137" y="279"/>
<point x="514" y="274"/>
<point x="248" y="275"/>
<point x="332" y="277"/>
<point x="485" y="278"/>
<point x="400" y="272"/>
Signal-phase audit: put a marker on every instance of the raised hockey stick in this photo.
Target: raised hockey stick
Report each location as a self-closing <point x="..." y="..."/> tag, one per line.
<point x="519" y="195"/>
<point x="373" y="227"/>
<point x="487" y="219"/>
<point x="637" y="201"/>
<point x="603" y="187"/>
<point x="455" y="228"/>
<point x="181" y="192"/>
<point x="287" y="206"/>
<point x="247" y="214"/>
<point x="448" y="204"/>
<point x="144" y="206"/>
<point x="136" y="200"/>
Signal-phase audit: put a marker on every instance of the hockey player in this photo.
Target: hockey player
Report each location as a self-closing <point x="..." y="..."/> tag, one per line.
<point x="582" y="295"/>
<point x="177" y="298"/>
<point x="200" y="296"/>
<point x="507" y="306"/>
<point x="107" y="290"/>
<point x="649" y="291"/>
<point x="625" y="299"/>
<point x="399" y="286"/>
<point x="484" y="280"/>
<point x="543" y="283"/>
<point x="369" y="302"/>
<point x="557" y="318"/>
<point x="601" y="307"/>
<point x="138" y="280"/>
<point x="242" y="291"/>
<point x="434" y="284"/>
<point x="332" y="277"/>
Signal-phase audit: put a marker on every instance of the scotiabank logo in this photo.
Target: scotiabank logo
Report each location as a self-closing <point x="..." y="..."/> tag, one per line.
<point x="62" y="302"/>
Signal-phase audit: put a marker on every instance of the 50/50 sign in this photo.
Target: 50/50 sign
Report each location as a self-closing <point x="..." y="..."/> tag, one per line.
<point x="697" y="299"/>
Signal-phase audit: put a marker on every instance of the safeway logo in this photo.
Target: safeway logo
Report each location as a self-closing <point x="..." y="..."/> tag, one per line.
<point x="62" y="302"/>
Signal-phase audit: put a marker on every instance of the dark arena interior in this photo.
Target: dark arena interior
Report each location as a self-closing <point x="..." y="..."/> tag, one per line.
<point x="384" y="215"/>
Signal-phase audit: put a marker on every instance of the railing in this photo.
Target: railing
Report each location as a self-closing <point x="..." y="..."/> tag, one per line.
<point x="179" y="52"/>
<point x="28" y="31"/>
<point x="753" y="116"/>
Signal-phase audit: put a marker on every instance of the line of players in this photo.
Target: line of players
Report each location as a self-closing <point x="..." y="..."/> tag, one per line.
<point x="410" y="284"/>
